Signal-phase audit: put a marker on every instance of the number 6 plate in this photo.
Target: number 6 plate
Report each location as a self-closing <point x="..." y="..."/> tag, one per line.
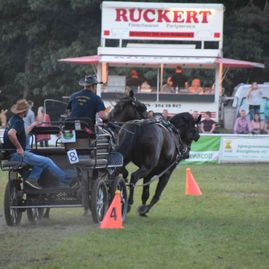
<point x="72" y="156"/>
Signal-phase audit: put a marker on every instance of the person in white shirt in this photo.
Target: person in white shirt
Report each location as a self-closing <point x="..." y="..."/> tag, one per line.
<point x="254" y="97"/>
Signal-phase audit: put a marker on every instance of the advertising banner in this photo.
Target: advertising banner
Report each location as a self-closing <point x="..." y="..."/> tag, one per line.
<point x="244" y="149"/>
<point x="205" y="150"/>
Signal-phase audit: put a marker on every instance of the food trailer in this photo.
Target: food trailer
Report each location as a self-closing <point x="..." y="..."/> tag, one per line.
<point x="154" y="39"/>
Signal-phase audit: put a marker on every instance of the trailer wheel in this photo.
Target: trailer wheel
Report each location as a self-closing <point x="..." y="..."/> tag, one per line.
<point x="35" y="214"/>
<point x="12" y="215"/>
<point x="99" y="200"/>
<point x="119" y="184"/>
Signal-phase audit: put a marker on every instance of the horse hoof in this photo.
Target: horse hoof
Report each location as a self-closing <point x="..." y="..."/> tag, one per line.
<point x="142" y="210"/>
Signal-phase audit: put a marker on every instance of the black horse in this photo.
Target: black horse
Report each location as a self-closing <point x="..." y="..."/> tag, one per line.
<point x="127" y="108"/>
<point x="156" y="147"/>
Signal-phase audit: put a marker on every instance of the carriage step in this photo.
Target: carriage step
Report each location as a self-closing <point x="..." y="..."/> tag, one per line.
<point x="46" y="206"/>
<point x="91" y="163"/>
<point x="50" y="190"/>
<point x="102" y="154"/>
<point x="115" y="159"/>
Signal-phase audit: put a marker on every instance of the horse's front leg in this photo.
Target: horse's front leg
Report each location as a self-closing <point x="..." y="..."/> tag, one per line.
<point x="141" y="172"/>
<point x="159" y="189"/>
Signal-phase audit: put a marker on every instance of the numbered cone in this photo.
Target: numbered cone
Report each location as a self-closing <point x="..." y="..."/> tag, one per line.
<point x="113" y="217"/>
<point x="192" y="187"/>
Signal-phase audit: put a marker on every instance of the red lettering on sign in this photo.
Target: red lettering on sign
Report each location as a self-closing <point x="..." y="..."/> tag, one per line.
<point x="121" y="14"/>
<point x="191" y="16"/>
<point x="204" y="16"/>
<point x="135" y="15"/>
<point x="146" y="15"/>
<point x="162" y="16"/>
<point x="178" y="16"/>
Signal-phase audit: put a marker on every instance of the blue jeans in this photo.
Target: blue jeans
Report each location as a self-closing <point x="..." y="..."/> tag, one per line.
<point x="253" y="110"/>
<point x="39" y="163"/>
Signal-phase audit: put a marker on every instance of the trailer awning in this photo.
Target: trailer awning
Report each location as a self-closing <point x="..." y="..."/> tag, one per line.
<point x="94" y="59"/>
<point x="205" y="62"/>
<point x="232" y="63"/>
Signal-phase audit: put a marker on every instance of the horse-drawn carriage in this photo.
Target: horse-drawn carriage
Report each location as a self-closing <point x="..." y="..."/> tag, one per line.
<point x="88" y="156"/>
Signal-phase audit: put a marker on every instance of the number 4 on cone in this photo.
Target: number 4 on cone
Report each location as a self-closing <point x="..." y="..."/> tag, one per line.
<point x="113" y="217"/>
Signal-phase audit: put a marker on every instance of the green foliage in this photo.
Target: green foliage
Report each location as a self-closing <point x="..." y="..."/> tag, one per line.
<point x="246" y="38"/>
<point x="34" y="34"/>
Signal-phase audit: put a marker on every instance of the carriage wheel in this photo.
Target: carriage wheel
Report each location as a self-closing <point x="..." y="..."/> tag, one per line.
<point x="35" y="214"/>
<point x="99" y="200"/>
<point x="12" y="216"/>
<point x="119" y="184"/>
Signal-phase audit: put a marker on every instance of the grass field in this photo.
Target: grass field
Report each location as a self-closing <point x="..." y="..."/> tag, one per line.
<point x="226" y="227"/>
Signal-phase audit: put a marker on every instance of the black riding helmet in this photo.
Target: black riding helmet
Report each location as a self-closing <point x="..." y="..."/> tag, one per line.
<point x="88" y="81"/>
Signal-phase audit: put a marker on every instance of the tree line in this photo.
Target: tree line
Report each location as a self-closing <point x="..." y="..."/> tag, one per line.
<point x="34" y="34"/>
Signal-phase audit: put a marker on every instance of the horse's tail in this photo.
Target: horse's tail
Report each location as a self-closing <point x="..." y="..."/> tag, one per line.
<point x="127" y="137"/>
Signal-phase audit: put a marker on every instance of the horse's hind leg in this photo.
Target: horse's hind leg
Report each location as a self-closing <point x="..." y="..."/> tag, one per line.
<point x="142" y="210"/>
<point x="140" y="173"/>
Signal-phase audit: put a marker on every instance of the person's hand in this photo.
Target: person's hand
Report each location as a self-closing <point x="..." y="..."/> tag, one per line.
<point x="20" y="151"/>
<point x="34" y="124"/>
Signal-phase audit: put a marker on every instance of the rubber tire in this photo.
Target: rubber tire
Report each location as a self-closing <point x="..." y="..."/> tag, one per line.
<point x="119" y="184"/>
<point x="99" y="200"/>
<point x="12" y="216"/>
<point x="35" y="215"/>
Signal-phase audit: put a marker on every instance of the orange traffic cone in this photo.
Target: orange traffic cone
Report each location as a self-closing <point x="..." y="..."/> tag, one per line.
<point x="113" y="217"/>
<point x="192" y="187"/>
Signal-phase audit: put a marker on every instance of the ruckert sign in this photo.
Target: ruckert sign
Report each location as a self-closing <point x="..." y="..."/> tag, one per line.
<point x="159" y="15"/>
<point x="132" y="20"/>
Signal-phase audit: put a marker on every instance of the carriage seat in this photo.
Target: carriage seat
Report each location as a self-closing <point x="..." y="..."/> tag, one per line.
<point x="7" y="164"/>
<point x="84" y="130"/>
<point x="49" y="151"/>
<point x="45" y="130"/>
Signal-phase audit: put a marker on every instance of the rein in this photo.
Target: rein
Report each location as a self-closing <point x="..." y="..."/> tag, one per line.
<point x="157" y="176"/>
<point x="120" y="127"/>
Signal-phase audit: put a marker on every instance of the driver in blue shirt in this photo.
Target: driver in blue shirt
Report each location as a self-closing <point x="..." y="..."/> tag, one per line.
<point x="85" y="103"/>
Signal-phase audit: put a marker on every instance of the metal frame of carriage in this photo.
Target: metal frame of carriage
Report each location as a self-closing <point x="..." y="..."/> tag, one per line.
<point x="95" y="185"/>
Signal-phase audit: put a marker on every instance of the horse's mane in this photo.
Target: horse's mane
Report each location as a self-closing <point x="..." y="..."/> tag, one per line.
<point x="129" y="100"/>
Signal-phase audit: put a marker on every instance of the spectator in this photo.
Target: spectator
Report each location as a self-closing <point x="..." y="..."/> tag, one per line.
<point x="266" y="126"/>
<point x="145" y="87"/>
<point x="195" y="87"/>
<point x="134" y="81"/>
<point x="150" y="114"/>
<point x="254" y="97"/>
<point x="257" y="126"/>
<point x="3" y="117"/>
<point x="242" y="124"/>
<point x="15" y="144"/>
<point x="165" y="114"/>
<point x="208" y="125"/>
<point x="28" y="120"/>
<point x="44" y="120"/>
<point x="179" y="80"/>
<point x="196" y="115"/>
<point x="168" y="87"/>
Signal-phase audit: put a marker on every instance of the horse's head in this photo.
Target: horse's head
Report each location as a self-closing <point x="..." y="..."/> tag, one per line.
<point x="187" y="127"/>
<point x="128" y="108"/>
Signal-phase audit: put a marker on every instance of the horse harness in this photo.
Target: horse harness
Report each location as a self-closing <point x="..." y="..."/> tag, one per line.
<point x="180" y="155"/>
